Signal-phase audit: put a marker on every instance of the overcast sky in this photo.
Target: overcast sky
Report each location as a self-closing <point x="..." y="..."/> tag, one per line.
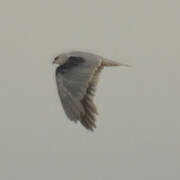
<point x="138" y="128"/>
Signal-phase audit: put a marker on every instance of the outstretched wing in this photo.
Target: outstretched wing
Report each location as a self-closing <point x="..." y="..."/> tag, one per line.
<point x="72" y="107"/>
<point x="88" y="119"/>
<point x="76" y="82"/>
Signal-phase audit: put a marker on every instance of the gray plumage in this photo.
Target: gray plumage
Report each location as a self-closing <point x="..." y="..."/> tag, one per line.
<point x="77" y="77"/>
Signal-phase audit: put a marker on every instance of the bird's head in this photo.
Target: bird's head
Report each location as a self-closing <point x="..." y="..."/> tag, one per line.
<point x="61" y="59"/>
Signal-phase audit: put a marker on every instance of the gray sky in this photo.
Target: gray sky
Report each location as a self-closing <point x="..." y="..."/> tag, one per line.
<point x="138" y="129"/>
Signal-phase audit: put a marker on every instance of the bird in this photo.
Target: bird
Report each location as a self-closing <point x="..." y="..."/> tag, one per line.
<point x="77" y="77"/>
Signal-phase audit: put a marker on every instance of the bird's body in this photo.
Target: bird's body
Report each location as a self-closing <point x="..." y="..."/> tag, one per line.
<point x="77" y="78"/>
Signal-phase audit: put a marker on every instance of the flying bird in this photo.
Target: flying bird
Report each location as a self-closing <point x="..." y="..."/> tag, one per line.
<point x="77" y="77"/>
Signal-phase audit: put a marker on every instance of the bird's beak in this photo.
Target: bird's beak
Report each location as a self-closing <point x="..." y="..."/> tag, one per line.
<point x="53" y="62"/>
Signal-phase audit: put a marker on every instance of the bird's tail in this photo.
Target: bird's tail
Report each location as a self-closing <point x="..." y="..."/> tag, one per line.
<point x="107" y="62"/>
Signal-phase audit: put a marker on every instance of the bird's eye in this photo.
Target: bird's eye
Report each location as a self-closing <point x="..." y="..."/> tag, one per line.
<point x="56" y="58"/>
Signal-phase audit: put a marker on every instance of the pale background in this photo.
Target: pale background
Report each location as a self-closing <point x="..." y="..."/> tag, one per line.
<point x="138" y="129"/>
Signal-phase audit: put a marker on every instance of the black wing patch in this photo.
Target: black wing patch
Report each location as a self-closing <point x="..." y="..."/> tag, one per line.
<point x="70" y="63"/>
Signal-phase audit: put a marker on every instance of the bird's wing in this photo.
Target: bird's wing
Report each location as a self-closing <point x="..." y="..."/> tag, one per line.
<point x="78" y="72"/>
<point x="71" y="106"/>
<point x="88" y="119"/>
<point x="78" y="81"/>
